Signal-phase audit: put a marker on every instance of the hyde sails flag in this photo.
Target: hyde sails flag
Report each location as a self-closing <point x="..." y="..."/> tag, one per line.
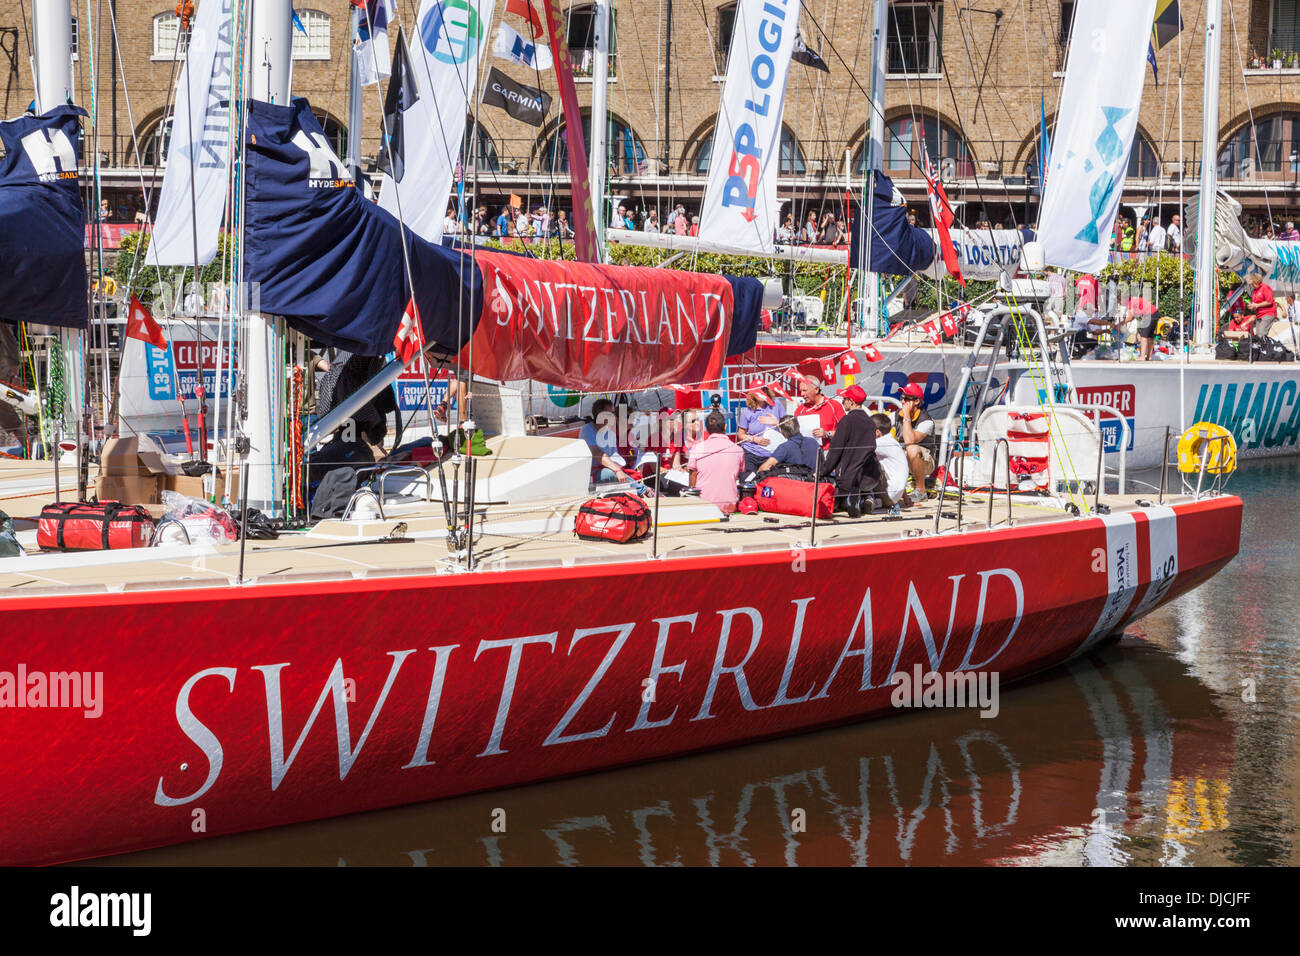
<point x="524" y="103"/>
<point x="370" y="46"/>
<point x="451" y="38"/>
<point x="42" y="221"/>
<point x="1095" y="129"/>
<point x="512" y="45"/>
<point x="193" y="197"/>
<point x="740" y="207"/>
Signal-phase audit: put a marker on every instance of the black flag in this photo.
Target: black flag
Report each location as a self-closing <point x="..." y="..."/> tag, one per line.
<point x="522" y="102"/>
<point x="402" y="95"/>
<point x="801" y="54"/>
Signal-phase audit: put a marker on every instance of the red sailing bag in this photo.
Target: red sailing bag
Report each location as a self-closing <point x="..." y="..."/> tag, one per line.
<point x="107" y="526"/>
<point x="618" y="517"/>
<point x="790" y="496"/>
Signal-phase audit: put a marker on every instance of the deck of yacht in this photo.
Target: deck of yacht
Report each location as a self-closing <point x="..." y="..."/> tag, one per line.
<point x="411" y="539"/>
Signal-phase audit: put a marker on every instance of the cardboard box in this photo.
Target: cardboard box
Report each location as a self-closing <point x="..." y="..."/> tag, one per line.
<point x="129" y="489"/>
<point x="194" y="488"/>
<point x="122" y="456"/>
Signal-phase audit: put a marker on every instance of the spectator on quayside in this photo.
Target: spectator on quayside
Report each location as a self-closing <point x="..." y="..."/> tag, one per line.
<point x="652" y="221"/>
<point x="695" y="226"/>
<point x="523" y="228"/>
<point x="562" y="228"/>
<point x="715" y="464"/>
<point x="811" y="231"/>
<point x="620" y="219"/>
<point x="601" y="437"/>
<point x="1260" y="311"/>
<point x="893" y="461"/>
<point x="815" y="403"/>
<point x="680" y="224"/>
<point x="1157" y="237"/>
<point x="830" y="232"/>
<point x="450" y="225"/>
<point x="504" y="222"/>
<point x="785" y="231"/>
<point x="1289" y="234"/>
<point x="851" y="457"/>
<point x="1175" y="233"/>
<point x="762" y="411"/>
<point x="915" y="430"/>
<point x="797" y="449"/>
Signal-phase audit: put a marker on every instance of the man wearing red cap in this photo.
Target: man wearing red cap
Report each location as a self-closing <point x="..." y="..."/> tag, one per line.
<point x="915" y="430"/>
<point x="851" y="457"/>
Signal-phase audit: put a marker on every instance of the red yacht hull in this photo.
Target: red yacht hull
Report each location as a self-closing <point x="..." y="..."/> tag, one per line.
<point x="230" y="709"/>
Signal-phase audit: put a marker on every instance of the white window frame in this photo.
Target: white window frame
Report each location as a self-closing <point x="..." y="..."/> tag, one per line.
<point x="315" y="45"/>
<point x="160" y="54"/>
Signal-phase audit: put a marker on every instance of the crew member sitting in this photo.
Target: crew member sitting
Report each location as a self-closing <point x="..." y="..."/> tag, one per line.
<point x="815" y="403"/>
<point x="893" y="461"/>
<point x="762" y="411"/>
<point x="1260" y="310"/>
<point x="715" y="464"/>
<point x="915" y="430"/>
<point x="852" y="455"/>
<point x="599" y="434"/>
<point x="796" y="450"/>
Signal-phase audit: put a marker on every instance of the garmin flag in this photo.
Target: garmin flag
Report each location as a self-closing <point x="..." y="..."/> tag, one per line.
<point x="524" y="103"/>
<point x="193" y="197"/>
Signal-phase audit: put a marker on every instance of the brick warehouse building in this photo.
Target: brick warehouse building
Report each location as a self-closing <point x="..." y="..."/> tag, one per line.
<point x="970" y="79"/>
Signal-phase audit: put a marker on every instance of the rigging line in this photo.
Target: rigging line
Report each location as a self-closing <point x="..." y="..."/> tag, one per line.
<point x="1250" y="112"/>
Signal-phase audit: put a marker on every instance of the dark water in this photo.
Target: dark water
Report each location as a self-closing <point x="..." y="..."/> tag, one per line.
<point x="1149" y="752"/>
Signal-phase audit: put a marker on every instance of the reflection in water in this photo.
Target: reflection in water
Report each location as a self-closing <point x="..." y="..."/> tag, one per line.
<point x="1143" y="753"/>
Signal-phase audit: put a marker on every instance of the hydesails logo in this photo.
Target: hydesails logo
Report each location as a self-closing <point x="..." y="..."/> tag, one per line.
<point x="326" y="169"/>
<point x="51" y="155"/>
<point x="452" y="31"/>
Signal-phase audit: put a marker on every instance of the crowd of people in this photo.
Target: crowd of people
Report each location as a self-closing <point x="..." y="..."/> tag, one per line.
<point x="1148" y="236"/>
<point x="868" y="459"/>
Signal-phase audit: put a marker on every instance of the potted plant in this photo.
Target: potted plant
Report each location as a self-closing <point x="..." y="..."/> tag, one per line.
<point x="1277" y="58"/>
<point x="1254" y="60"/>
<point x="1294" y="60"/>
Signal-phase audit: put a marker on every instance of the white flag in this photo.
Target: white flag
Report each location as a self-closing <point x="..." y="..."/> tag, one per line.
<point x="1094" y="131"/>
<point x="740" y="207"/>
<point x="512" y="45"/>
<point x="370" y="45"/>
<point x="198" y="147"/>
<point x="445" y="58"/>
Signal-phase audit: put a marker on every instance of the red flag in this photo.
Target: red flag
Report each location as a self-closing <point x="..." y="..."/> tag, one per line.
<point x="941" y="211"/>
<point x="963" y="310"/>
<point x="584" y="228"/>
<point x="950" y="324"/>
<point x="872" y="353"/>
<point x="141" y="325"/>
<point x="779" y="391"/>
<point x="522" y="8"/>
<point x="828" y="371"/>
<point x="849" y="364"/>
<point x="932" y="330"/>
<point x="409" y="340"/>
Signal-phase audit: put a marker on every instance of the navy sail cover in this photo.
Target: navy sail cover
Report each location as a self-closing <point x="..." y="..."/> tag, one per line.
<point x="42" y="222"/>
<point x="896" y="248"/>
<point x="331" y="262"/>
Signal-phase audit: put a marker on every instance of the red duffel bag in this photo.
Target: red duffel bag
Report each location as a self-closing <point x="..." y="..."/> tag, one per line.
<point x="790" y="496"/>
<point x="107" y="526"/>
<point x="619" y="517"/>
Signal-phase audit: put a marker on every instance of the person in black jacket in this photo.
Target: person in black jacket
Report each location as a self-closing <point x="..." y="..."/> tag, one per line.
<point x="851" y="457"/>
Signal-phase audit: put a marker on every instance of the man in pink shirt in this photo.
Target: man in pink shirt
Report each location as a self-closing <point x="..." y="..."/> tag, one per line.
<point x="715" y="464"/>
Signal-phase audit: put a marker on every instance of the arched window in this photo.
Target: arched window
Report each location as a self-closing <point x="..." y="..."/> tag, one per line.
<point x="482" y="152"/>
<point x="582" y="39"/>
<point x="315" y="43"/>
<point x="1143" y="163"/>
<point x="336" y="133"/>
<point x="792" y="158"/>
<point x="627" y="156"/>
<point x="1268" y="150"/>
<point x="166" y="31"/>
<point x="904" y="157"/>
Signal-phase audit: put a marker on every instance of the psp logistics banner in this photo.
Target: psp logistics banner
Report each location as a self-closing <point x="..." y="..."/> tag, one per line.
<point x="740" y="200"/>
<point x="596" y="327"/>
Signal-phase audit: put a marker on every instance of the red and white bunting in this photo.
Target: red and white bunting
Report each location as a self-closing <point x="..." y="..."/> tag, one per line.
<point x="849" y="364"/>
<point x="950" y="323"/>
<point x="871" y="353"/>
<point x="932" y="332"/>
<point x="409" y="340"/>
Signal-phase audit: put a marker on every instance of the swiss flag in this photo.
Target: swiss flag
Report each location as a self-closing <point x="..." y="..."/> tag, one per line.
<point x="828" y="371"/>
<point x="140" y="325"/>
<point x="932" y="330"/>
<point x="409" y="340"/>
<point x="522" y="8"/>
<point x="872" y="353"/>
<point x="950" y="324"/>
<point x="779" y="391"/>
<point x="964" y="311"/>
<point x="849" y="364"/>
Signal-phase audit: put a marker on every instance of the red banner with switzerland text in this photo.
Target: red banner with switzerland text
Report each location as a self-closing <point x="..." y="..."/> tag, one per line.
<point x="598" y="328"/>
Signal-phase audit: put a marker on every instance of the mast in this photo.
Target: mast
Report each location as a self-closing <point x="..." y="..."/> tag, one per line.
<point x="874" y="162"/>
<point x="270" y="51"/>
<point x="1207" y="272"/>
<point x="52" y="47"/>
<point x="596" y="164"/>
<point x="353" y="158"/>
